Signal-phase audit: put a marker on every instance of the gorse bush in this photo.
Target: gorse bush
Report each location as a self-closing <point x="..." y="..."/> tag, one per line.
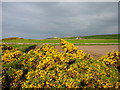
<point x="12" y="38"/>
<point x="46" y="67"/>
<point x="112" y="58"/>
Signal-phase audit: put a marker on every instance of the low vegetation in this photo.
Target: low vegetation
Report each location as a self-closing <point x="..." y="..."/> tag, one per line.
<point x="11" y="38"/>
<point x="23" y="47"/>
<point x="46" y="67"/>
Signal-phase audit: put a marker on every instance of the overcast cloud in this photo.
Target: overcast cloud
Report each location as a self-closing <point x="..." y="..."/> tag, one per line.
<point x="37" y="20"/>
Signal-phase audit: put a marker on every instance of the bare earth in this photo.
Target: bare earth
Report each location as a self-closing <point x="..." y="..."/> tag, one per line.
<point x="96" y="51"/>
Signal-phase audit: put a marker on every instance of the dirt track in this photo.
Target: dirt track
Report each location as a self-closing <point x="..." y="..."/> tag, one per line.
<point x="96" y="51"/>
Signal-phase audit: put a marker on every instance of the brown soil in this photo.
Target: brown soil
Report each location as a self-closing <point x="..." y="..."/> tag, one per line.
<point x="95" y="51"/>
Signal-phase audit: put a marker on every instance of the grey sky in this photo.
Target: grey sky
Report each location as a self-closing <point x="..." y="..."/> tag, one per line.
<point x="37" y="20"/>
<point x="0" y="20"/>
<point x="60" y="0"/>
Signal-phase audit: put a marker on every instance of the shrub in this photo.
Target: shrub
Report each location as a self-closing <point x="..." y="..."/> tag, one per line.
<point x="46" y="67"/>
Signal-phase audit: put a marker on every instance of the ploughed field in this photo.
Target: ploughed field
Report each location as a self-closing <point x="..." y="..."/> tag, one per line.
<point x="95" y="51"/>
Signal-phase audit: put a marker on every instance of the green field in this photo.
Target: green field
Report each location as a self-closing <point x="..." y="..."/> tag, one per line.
<point x="31" y="41"/>
<point x="94" y="40"/>
<point x="112" y="36"/>
<point x="109" y="36"/>
<point x="57" y="41"/>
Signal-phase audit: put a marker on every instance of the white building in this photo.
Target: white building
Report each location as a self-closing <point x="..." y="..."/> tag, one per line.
<point x="77" y="38"/>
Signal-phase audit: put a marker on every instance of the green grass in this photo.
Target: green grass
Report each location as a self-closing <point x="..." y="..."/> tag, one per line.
<point x="22" y="47"/>
<point x="31" y="41"/>
<point x="57" y="41"/>
<point x="109" y="36"/>
<point x="93" y="41"/>
<point x="112" y="36"/>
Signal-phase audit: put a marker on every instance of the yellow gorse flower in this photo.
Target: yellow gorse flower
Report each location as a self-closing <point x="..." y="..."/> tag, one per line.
<point x="46" y="67"/>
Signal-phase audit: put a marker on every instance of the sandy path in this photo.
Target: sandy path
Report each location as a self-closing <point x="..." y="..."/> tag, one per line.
<point x="99" y="50"/>
<point x="96" y="51"/>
